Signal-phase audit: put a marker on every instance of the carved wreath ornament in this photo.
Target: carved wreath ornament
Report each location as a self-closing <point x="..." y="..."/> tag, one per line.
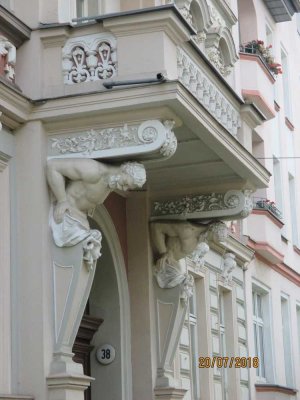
<point x="89" y="58"/>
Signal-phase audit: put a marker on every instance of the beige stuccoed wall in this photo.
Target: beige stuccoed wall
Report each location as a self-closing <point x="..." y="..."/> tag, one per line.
<point x="140" y="277"/>
<point x="6" y="168"/>
<point x="277" y="285"/>
<point x="33" y="279"/>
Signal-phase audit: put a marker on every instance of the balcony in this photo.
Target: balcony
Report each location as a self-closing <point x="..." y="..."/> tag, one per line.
<point x="260" y="203"/>
<point x="259" y="89"/>
<point x="72" y="92"/>
<point x="264" y="230"/>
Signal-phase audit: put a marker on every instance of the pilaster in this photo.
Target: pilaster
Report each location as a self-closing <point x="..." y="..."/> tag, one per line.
<point x="141" y="296"/>
<point x="33" y="307"/>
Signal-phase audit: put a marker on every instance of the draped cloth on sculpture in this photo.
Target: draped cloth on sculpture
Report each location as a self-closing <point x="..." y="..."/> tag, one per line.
<point x="71" y="231"/>
<point x="168" y="277"/>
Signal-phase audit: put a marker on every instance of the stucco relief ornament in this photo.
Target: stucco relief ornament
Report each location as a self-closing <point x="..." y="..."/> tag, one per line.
<point x="89" y="58"/>
<point x="213" y="205"/>
<point x="200" y="37"/>
<point x="198" y="256"/>
<point x="216" y="59"/>
<point x="229" y="265"/>
<point x="151" y="137"/>
<point x="248" y="204"/>
<point x="8" y="51"/>
<point x="200" y="85"/>
<point x="170" y="145"/>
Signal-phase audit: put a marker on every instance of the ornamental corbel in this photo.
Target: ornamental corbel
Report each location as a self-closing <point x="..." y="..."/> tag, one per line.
<point x="232" y="205"/>
<point x="147" y="140"/>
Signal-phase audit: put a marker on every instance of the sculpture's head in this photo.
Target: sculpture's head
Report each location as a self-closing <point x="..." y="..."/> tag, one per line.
<point x="131" y="176"/>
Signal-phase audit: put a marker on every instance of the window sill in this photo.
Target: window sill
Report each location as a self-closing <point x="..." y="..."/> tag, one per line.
<point x="296" y="249"/>
<point x="289" y="124"/>
<point x="266" y="387"/>
<point x="276" y="106"/>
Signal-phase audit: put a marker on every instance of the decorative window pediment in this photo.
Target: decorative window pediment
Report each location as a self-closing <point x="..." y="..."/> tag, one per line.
<point x="89" y="58"/>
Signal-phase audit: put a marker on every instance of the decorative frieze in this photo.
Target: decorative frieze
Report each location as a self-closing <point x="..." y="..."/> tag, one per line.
<point x="7" y="58"/>
<point x="206" y="92"/>
<point x="233" y="204"/>
<point x="89" y="58"/>
<point x="152" y="139"/>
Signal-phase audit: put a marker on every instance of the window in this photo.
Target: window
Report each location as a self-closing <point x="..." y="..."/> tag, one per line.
<point x="286" y="85"/>
<point x="269" y="36"/>
<point x="258" y="327"/>
<point x="87" y="8"/>
<point x="194" y="345"/>
<point x="277" y="184"/>
<point x="262" y="331"/>
<point x="293" y="210"/>
<point x="298" y="22"/>
<point x="286" y="329"/>
<point x="298" y="327"/>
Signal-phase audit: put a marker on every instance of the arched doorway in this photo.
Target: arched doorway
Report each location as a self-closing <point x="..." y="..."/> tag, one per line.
<point x="108" y="306"/>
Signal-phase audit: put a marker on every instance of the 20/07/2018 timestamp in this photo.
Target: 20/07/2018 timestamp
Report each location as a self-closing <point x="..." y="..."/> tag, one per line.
<point x="228" y="362"/>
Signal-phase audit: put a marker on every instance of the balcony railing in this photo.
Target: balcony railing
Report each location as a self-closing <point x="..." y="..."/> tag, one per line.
<point x="260" y="203"/>
<point x="258" y="48"/>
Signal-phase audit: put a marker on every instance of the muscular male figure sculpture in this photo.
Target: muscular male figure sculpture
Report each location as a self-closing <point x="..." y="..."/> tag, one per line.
<point x="90" y="183"/>
<point x="78" y="185"/>
<point x="174" y="240"/>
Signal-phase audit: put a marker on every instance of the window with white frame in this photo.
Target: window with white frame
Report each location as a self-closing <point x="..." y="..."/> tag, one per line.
<point x="87" y="8"/>
<point x="269" y="35"/>
<point x="262" y="331"/>
<point x="194" y="345"/>
<point x="277" y="183"/>
<point x="258" y="327"/>
<point x="286" y="335"/>
<point x="286" y="85"/>
<point x="293" y="210"/>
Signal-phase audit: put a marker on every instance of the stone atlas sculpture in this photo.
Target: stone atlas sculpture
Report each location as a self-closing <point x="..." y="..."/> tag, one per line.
<point x="78" y="185"/>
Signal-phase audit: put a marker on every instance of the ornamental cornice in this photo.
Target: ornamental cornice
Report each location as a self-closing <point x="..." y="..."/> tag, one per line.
<point x="200" y="85"/>
<point x="13" y="27"/>
<point x="231" y="205"/>
<point x="14" y="106"/>
<point x="146" y="140"/>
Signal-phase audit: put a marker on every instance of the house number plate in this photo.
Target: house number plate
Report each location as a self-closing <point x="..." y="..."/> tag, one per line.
<point x="106" y="354"/>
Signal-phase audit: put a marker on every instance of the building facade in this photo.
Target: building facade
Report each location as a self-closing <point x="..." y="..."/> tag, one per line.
<point x="149" y="239"/>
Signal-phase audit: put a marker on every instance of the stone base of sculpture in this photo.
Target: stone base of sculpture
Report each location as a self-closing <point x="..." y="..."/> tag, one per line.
<point x="72" y="280"/>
